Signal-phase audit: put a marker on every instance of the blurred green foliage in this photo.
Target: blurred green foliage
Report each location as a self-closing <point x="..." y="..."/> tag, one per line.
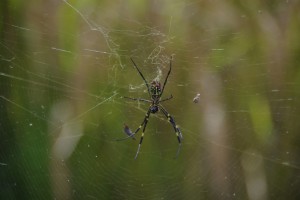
<point x="65" y="65"/>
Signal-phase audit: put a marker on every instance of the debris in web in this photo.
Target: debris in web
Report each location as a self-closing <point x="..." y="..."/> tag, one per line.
<point x="128" y="131"/>
<point x="196" y="98"/>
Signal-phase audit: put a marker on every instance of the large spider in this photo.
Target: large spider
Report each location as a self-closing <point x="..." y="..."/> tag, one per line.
<point x="155" y="92"/>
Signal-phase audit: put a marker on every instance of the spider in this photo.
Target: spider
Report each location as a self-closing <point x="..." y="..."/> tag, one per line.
<point x="155" y="92"/>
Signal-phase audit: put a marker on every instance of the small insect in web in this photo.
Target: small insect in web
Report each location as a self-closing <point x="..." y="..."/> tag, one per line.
<point x="196" y="98"/>
<point x="155" y="92"/>
<point x="128" y="131"/>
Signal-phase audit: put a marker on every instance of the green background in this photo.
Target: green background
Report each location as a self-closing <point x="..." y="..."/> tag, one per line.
<point x="64" y="66"/>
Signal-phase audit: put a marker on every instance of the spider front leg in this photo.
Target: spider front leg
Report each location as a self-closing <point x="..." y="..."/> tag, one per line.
<point x="176" y="128"/>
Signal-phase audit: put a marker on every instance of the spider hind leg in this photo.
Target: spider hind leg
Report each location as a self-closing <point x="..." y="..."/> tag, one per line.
<point x="176" y="129"/>
<point x="142" y="136"/>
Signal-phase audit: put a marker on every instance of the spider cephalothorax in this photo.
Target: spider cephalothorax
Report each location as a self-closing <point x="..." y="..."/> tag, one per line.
<point x="155" y="92"/>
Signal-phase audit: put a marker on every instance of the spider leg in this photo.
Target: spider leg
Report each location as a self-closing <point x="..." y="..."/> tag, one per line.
<point x="137" y="99"/>
<point x="166" y="99"/>
<point x="142" y="136"/>
<point x="167" y="76"/>
<point x="147" y="85"/>
<point x="145" y="120"/>
<point x="176" y="128"/>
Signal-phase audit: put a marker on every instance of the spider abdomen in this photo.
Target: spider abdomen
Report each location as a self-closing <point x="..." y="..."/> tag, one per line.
<point x="153" y="109"/>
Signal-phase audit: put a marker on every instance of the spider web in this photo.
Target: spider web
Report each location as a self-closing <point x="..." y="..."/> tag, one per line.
<point x="65" y="66"/>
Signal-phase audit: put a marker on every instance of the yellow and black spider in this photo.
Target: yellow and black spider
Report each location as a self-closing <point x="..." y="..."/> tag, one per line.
<point x="155" y="92"/>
